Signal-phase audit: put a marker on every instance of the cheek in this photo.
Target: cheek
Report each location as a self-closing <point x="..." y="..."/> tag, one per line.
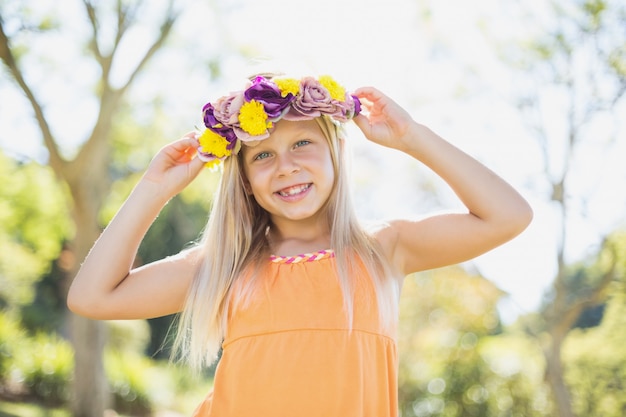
<point x="329" y="168"/>
<point x="256" y="181"/>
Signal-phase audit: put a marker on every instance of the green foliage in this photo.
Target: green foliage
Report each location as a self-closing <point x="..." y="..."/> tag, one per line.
<point x="175" y="388"/>
<point x="128" y="378"/>
<point x="515" y="379"/>
<point x="30" y="410"/>
<point x="594" y="11"/>
<point x="33" y="224"/>
<point x="48" y="309"/>
<point x="454" y="360"/>
<point x="39" y="369"/>
<point x="128" y="335"/>
<point x="617" y="61"/>
<point x="131" y="375"/>
<point x="596" y="362"/>
<point x="45" y="364"/>
<point x="11" y="340"/>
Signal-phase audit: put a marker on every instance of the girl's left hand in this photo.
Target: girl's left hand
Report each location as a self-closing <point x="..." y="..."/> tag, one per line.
<point x="385" y="123"/>
<point x="175" y="165"/>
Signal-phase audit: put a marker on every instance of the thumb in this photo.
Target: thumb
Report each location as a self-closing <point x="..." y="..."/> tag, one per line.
<point x="363" y="123"/>
<point x="196" y="165"/>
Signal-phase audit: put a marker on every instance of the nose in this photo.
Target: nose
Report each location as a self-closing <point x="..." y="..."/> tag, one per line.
<point x="286" y="164"/>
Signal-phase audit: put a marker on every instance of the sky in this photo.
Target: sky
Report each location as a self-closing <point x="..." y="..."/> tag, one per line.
<point x="430" y="56"/>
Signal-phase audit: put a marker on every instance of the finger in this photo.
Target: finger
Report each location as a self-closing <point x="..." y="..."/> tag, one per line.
<point x="364" y="91"/>
<point x="191" y="139"/>
<point x="191" y="135"/>
<point x="186" y="147"/>
<point x="370" y="94"/>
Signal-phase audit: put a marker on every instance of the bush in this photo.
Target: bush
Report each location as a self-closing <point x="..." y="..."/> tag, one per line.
<point x="38" y="369"/>
<point x="128" y="378"/>
<point x="11" y="337"/>
<point x="132" y="336"/>
<point x="596" y="363"/>
<point x="45" y="367"/>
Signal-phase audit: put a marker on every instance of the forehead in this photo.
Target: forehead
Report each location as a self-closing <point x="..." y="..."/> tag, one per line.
<point x="286" y="130"/>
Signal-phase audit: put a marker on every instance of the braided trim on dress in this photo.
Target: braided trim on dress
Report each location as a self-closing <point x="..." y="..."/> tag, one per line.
<point x="306" y="257"/>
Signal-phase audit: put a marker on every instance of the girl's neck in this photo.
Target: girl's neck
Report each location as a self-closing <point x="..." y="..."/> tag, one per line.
<point x="289" y="241"/>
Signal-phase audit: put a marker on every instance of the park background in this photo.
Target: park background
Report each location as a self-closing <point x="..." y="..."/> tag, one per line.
<point x="89" y="91"/>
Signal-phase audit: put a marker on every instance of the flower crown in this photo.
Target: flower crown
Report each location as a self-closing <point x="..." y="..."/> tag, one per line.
<point x="250" y="115"/>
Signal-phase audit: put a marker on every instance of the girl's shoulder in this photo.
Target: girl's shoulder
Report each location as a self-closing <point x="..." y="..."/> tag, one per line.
<point x="385" y="235"/>
<point x="383" y="231"/>
<point x="391" y="237"/>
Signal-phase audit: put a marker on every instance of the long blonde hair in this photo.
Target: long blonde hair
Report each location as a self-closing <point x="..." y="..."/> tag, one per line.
<point x="235" y="238"/>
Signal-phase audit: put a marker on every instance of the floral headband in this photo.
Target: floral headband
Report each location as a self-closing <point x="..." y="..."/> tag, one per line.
<point x="250" y="115"/>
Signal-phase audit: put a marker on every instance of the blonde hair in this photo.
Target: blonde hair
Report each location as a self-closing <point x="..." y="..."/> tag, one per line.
<point x="235" y="239"/>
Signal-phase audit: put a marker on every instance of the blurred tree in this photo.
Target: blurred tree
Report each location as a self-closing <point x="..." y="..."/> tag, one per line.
<point x="576" y="73"/>
<point x="450" y="357"/>
<point x="33" y="226"/>
<point x="86" y="176"/>
<point x="48" y="311"/>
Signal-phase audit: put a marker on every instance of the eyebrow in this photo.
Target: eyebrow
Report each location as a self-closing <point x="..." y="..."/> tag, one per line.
<point x="299" y="131"/>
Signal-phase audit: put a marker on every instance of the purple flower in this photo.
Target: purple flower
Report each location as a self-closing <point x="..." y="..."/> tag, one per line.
<point x="267" y="93"/>
<point x="217" y="119"/>
<point x="357" y="105"/>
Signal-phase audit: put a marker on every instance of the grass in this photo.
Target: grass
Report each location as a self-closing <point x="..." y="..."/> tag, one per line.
<point x="8" y="409"/>
<point x="168" y="400"/>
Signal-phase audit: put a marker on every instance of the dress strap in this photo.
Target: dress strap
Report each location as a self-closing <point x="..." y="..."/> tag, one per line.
<point x="306" y="257"/>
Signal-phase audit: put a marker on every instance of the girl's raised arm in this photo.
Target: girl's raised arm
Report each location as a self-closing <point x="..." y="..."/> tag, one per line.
<point x="106" y="286"/>
<point x="496" y="212"/>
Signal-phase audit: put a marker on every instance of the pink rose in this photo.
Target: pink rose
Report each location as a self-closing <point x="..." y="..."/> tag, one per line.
<point x="244" y="136"/>
<point x="227" y="109"/>
<point x="313" y="101"/>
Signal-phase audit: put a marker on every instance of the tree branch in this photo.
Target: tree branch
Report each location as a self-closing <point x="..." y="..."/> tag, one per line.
<point x="164" y="32"/>
<point x="93" y="44"/>
<point x="110" y="97"/>
<point x="568" y="313"/>
<point x="125" y="16"/>
<point x="55" y="160"/>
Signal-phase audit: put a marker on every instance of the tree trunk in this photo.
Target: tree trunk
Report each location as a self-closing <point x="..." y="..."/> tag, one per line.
<point x="91" y="395"/>
<point x="554" y="377"/>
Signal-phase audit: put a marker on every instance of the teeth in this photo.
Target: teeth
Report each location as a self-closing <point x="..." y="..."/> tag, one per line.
<point x="293" y="190"/>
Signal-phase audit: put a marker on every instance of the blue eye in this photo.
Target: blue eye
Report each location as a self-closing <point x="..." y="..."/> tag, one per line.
<point x="302" y="143"/>
<point x="261" y="155"/>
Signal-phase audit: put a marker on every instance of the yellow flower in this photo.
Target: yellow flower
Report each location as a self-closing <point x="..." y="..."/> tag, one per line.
<point x="212" y="143"/>
<point x="252" y="118"/>
<point x="337" y="92"/>
<point x="213" y="164"/>
<point x="287" y="85"/>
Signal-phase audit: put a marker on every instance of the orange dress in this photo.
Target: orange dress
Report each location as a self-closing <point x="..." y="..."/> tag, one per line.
<point x="288" y="350"/>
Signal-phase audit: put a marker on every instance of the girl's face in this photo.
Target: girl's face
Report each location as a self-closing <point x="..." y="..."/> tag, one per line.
<point x="290" y="173"/>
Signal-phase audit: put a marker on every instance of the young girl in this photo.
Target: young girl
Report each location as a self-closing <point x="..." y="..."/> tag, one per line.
<point x="302" y="300"/>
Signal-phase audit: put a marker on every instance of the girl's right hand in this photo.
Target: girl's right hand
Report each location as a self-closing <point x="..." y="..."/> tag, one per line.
<point x="175" y="165"/>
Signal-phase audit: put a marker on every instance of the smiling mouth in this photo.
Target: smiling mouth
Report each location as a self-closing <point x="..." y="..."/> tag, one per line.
<point x="295" y="190"/>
